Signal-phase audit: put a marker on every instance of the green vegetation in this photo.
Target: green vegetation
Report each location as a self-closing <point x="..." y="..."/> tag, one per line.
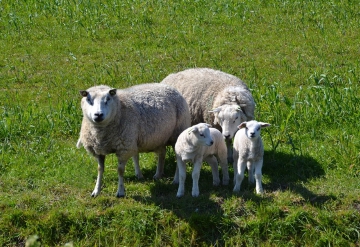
<point x="301" y="61"/>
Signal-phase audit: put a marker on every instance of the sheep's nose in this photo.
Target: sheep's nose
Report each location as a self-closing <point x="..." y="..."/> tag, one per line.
<point x="252" y="134"/>
<point x="211" y="143"/>
<point x="227" y="136"/>
<point x="98" y="117"/>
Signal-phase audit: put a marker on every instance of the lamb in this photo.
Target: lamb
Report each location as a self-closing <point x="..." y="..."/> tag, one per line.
<point x="196" y="144"/>
<point x="142" y="118"/>
<point x="215" y="97"/>
<point x="249" y="152"/>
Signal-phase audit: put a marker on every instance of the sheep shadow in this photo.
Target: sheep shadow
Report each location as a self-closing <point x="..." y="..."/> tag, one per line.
<point x="206" y="214"/>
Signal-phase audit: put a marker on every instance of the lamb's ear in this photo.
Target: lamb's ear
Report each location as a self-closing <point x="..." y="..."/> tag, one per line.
<point x="208" y="125"/>
<point x="83" y="93"/>
<point x="192" y="129"/>
<point x="264" y="125"/>
<point x="242" y="125"/>
<point x="112" y="92"/>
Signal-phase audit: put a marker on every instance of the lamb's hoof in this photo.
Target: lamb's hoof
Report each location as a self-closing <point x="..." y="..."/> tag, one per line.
<point x="95" y="194"/>
<point x="175" y="182"/>
<point x="157" y="177"/>
<point x="179" y="196"/>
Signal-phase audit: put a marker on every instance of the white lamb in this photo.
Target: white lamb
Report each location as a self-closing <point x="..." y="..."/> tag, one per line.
<point x="196" y="144"/>
<point x="215" y="97"/>
<point x="249" y="152"/>
<point x="142" y="118"/>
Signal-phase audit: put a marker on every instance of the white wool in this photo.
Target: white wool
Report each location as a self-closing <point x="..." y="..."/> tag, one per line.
<point x="142" y="118"/>
<point x="215" y="97"/>
<point x="197" y="144"/>
<point x="249" y="152"/>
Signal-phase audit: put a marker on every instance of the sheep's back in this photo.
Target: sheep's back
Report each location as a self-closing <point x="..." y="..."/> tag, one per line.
<point x="162" y="114"/>
<point x="200" y="88"/>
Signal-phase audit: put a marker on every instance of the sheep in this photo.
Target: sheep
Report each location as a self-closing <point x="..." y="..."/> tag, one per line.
<point x="195" y="144"/>
<point x="249" y="152"/>
<point x="142" y="118"/>
<point x="215" y="97"/>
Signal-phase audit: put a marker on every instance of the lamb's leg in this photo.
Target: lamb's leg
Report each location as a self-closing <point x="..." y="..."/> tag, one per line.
<point x="236" y="157"/>
<point x="181" y="168"/>
<point x="101" y="165"/>
<point x="121" y="170"/>
<point x="211" y="160"/>
<point x="251" y="170"/>
<point x="137" y="166"/>
<point x="239" y="176"/>
<point x="195" y="176"/>
<point x="230" y="158"/>
<point x="161" y="161"/>
<point x="258" y="176"/>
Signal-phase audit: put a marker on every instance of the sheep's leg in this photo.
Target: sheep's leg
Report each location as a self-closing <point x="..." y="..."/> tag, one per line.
<point x="195" y="176"/>
<point x="230" y="158"/>
<point x="211" y="160"/>
<point x="101" y="166"/>
<point x="137" y="166"/>
<point x="161" y="161"/>
<point x="176" y="176"/>
<point x="258" y="176"/>
<point x="121" y="170"/>
<point x="251" y="169"/>
<point x="181" y="168"/>
<point x="239" y="176"/>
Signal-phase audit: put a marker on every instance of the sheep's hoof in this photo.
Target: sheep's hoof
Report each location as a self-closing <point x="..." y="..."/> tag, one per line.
<point x="95" y="194"/>
<point x="118" y="195"/>
<point x="179" y="196"/>
<point x="175" y="182"/>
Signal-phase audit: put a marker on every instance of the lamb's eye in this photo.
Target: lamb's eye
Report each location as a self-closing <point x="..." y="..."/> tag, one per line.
<point x="258" y="128"/>
<point x="202" y="135"/>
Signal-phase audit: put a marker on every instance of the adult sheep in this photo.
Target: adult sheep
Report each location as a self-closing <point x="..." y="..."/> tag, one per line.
<point x="142" y="118"/>
<point x="215" y="97"/>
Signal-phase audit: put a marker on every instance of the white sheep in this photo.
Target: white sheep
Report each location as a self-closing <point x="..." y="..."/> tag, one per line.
<point x="196" y="144"/>
<point x="215" y="97"/>
<point x="142" y="118"/>
<point x="249" y="152"/>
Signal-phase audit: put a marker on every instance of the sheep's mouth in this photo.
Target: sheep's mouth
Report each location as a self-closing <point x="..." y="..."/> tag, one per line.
<point x="98" y="119"/>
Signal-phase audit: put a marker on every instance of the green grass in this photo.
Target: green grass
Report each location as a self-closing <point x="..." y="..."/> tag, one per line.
<point x="301" y="61"/>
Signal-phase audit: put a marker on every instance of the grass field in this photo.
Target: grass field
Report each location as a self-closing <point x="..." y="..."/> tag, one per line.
<point x="301" y="60"/>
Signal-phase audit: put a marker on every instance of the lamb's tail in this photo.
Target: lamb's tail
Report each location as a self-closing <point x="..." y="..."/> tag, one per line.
<point x="79" y="143"/>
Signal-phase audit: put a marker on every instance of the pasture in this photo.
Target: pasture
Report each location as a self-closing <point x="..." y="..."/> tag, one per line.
<point x="299" y="58"/>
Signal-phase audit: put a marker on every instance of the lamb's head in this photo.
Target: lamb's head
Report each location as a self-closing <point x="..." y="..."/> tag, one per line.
<point x="229" y="117"/>
<point x="98" y="104"/>
<point x="253" y="128"/>
<point x="200" y="134"/>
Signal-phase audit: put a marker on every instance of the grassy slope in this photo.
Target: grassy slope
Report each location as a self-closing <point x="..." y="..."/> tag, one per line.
<point x="301" y="61"/>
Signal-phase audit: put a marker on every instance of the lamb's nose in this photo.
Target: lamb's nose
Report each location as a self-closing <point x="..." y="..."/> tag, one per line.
<point x="227" y="136"/>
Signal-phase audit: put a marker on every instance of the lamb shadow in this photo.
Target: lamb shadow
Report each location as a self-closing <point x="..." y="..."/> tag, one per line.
<point x="289" y="172"/>
<point x="206" y="215"/>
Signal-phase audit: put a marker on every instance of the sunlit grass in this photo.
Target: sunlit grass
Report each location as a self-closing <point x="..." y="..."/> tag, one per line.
<point x="299" y="58"/>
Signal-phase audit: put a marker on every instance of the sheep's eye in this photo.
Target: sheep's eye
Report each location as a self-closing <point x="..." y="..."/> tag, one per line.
<point x="89" y="101"/>
<point x="258" y="128"/>
<point x="202" y="135"/>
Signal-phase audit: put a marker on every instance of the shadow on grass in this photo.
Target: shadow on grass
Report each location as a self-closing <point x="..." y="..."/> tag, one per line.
<point x="206" y="214"/>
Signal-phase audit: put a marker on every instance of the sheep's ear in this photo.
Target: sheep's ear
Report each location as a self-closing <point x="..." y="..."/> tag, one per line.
<point x="112" y="92"/>
<point x="208" y="125"/>
<point x="216" y="110"/>
<point x="242" y="125"/>
<point x="83" y="93"/>
<point x="264" y="125"/>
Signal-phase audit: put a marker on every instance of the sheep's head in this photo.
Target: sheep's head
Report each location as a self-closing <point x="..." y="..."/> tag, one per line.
<point x="202" y="134"/>
<point x="253" y="128"/>
<point x="229" y="117"/>
<point x="98" y="104"/>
